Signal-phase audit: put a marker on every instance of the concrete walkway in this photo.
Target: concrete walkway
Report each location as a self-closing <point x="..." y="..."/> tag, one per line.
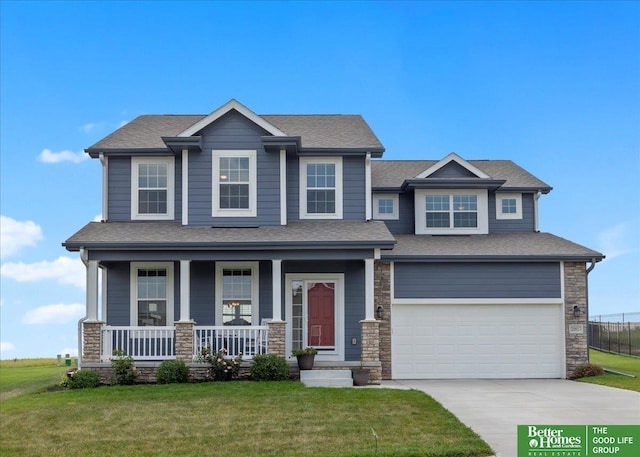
<point x="494" y="408"/>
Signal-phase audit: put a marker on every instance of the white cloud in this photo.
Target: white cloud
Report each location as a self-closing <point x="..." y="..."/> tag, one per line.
<point x="122" y="123"/>
<point x="5" y="346"/>
<point x="615" y="241"/>
<point x="73" y="352"/>
<point x="14" y="235"/>
<point x="97" y="218"/>
<point x="90" y="126"/>
<point x="48" y="156"/>
<point x="54" y="314"/>
<point x="65" y="270"/>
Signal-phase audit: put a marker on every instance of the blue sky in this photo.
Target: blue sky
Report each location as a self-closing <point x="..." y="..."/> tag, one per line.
<point x="553" y="86"/>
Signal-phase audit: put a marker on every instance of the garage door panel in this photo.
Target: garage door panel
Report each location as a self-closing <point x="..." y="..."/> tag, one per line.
<point x="477" y="341"/>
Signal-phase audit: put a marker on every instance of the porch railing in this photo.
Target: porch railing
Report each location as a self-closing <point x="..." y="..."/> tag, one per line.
<point x="141" y="343"/>
<point x="246" y="340"/>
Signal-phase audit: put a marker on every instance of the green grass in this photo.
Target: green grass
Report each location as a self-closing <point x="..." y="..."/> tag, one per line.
<point x="232" y="419"/>
<point x="621" y="363"/>
<point x="28" y="375"/>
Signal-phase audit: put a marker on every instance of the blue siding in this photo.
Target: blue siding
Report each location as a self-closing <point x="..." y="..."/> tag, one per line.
<point x="452" y="170"/>
<point x="477" y="280"/>
<point x="526" y="224"/>
<point x="118" y="294"/>
<point x="354" y="292"/>
<point x="119" y="189"/>
<point x="203" y="292"/>
<point x="233" y="131"/>
<point x="406" y="215"/>
<point x="353" y="177"/>
<point x="293" y="187"/>
<point x="266" y="292"/>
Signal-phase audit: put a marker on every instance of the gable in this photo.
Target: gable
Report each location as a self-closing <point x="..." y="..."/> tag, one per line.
<point x="455" y="159"/>
<point x="453" y="170"/>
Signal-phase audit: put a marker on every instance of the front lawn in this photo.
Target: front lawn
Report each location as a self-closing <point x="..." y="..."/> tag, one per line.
<point x="232" y="419"/>
<point x="27" y="375"/>
<point x="621" y="363"/>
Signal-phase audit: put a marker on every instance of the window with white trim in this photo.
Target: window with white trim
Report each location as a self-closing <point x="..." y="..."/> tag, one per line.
<point x="321" y="188"/>
<point x="442" y="212"/>
<point x="152" y="294"/>
<point x="237" y="293"/>
<point x="152" y="188"/>
<point x="234" y="183"/>
<point x="508" y="206"/>
<point x="385" y="206"/>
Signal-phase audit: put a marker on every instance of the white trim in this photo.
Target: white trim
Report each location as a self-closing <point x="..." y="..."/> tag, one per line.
<point x="377" y="253"/>
<point x="104" y="161"/>
<point x="216" y="211"/>
<point x="304" y="161"/>
<point x="103" y="292"/>
<point x="562" y="281"/>
<point x="508" y="196"/>
<point x="255" y="285"/>
<point x="420" y="212"/>
<point x="224" y="109"/>
<point x="133" y="278"/>
<point x="536" y="223"/>
<point x="376" y="207"/>
<point x="392" y="289"/>
<point x="185" y="291"/>
<point x="276" y="285"/>
<point x="92" y="291"/>
<point x="563" y="329"/>
<point x="283" y="187"/>
<point x="369" y="293"/>
<point x="170" y="162"/>
<point x="476" y="301"/>
<point x="336" y="355"/>
<point x="185" y="187"/>
<point x="453" y="157"/>
<point x="367" y="185"/>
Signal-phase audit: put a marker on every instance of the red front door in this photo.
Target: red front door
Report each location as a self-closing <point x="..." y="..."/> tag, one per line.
<point x="321" y="314"/>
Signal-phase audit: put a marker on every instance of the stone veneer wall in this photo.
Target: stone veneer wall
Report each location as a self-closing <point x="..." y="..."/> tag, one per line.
<point x="91" y="341"/>
<point x="382" y="285"/>
<point x="184" y="341"/>
<point x="575" y="293"/>
<point x="277" y="338"/>
<point x="370" y="340"/>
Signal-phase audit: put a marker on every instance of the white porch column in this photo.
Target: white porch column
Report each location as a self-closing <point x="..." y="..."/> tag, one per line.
<point x="92" y="291"/>
<point x="276" y="267"/>
<point x="185" y="290"/>
<point x="369" y="313"/>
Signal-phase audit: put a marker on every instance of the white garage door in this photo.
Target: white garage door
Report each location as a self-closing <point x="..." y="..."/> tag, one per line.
<point x="477" y="341"/>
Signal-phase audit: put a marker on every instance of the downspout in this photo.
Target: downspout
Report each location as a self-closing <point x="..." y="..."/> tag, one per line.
<point x="536" y="224"/>
<point x="586" y="299"/>
<point x="84" y="257"/>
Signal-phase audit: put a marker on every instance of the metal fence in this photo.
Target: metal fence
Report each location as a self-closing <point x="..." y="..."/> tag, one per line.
<point x="618" y="333"/>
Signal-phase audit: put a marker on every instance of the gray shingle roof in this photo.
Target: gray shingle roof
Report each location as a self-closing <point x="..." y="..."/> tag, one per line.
<point x="511" y="245"/>
<point x="174" y="235"/>
<point x="392" y="173"/>
<point x="316" y="131"/>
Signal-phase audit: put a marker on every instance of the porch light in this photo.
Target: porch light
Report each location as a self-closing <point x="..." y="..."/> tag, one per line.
<point x="380" y="312"/>
<point x="576" y="311"/>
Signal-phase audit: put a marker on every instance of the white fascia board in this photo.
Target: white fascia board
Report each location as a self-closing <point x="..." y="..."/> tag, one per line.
<point x="224" y="109"/>
<point x="453" y="157"/>
<point x="185" y="186"/>
<point x="476" y="301"/>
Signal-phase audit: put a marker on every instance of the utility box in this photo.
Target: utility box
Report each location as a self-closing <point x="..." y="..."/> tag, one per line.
<point x="67" y="360"/>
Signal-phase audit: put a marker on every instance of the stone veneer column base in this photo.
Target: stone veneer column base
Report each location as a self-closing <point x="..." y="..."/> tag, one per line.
<point x="92" y="341"/>
<point x="277" y="338"/>
<point x="382" y="297"/>
<point x="184" y="341"/>
<point x="575" y="293"/>
<point x="370" y="341"/>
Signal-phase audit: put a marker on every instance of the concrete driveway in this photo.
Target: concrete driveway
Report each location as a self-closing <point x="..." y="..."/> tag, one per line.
<point x="494" y="408"/>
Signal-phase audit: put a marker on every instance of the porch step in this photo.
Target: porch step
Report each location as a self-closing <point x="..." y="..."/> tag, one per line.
<point x="326" y="378"/>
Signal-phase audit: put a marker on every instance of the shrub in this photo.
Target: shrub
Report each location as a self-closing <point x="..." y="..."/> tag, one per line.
<point x="84" y="379"/>
<point x="269" y="367"/>
<point x="221" y="367"/>
<point x="172" y="371"/>
<point x="587" y="370"/>
<point x="124" y="371"/>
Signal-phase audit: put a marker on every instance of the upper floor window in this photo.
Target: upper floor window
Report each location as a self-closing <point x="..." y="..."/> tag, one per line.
<point x="234" y="183"/>
<point x="152" y="194"/>
<point x="508" y="206"/>
<point x="321" y="188"/>
<point x="440" y="212"/>
<point x="385" y="206"/>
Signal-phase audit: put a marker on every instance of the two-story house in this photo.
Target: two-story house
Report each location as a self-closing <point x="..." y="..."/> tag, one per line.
<point x="267" y="233"/>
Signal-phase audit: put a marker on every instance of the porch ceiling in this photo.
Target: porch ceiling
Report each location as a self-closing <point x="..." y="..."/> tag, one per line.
<point x="173" y="235"/>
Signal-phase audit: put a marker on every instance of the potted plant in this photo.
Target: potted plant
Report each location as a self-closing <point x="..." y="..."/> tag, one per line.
<point x="360" y="375"/>
<point x="305" y="357"/>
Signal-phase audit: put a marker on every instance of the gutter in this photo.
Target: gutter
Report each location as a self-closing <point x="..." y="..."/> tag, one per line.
<point x="84" y="257"/>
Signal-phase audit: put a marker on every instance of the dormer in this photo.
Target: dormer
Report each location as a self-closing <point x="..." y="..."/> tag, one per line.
<point x="451" y="197"/>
